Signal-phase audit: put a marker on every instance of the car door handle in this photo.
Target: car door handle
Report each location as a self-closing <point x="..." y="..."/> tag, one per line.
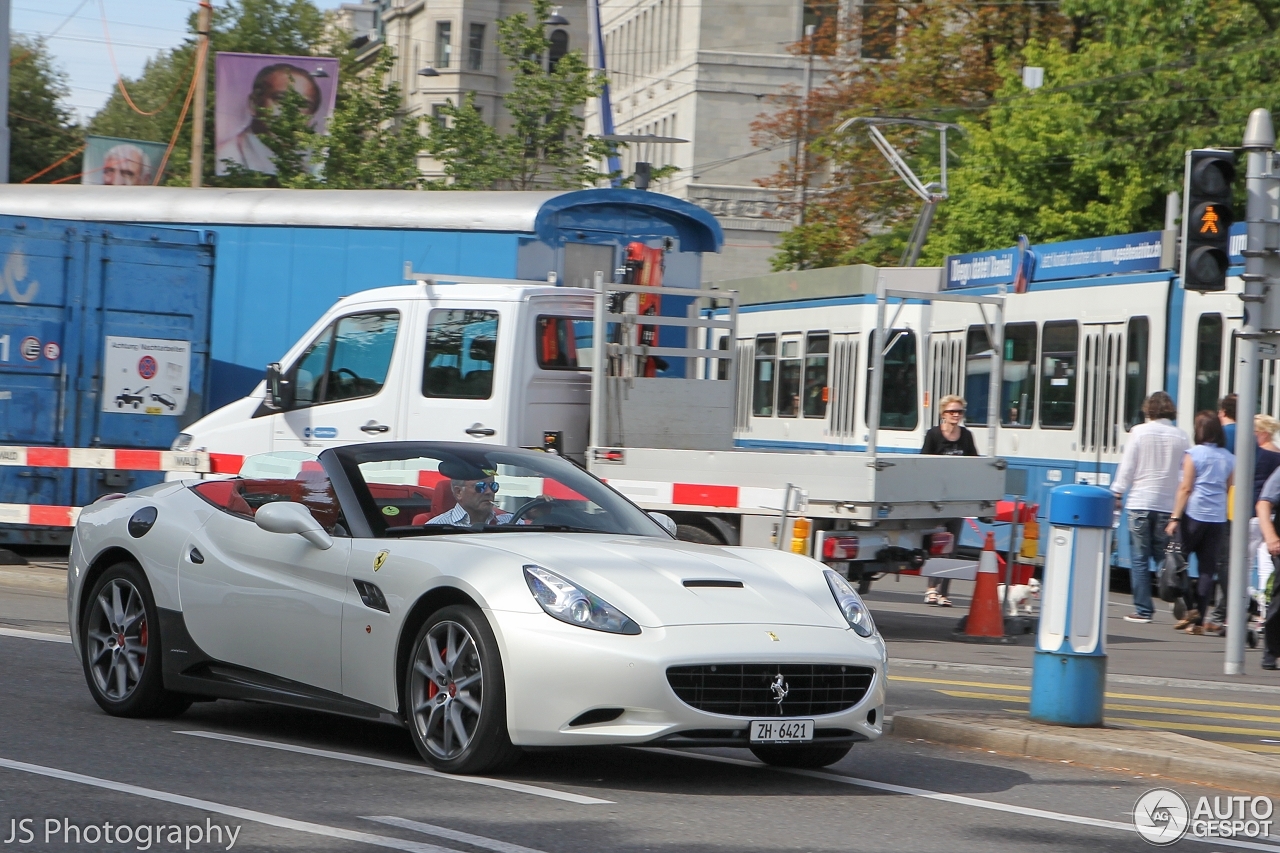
<point x="196" y="556"/>
<point x="374" y="426"/>
<point x="479" y="430"/>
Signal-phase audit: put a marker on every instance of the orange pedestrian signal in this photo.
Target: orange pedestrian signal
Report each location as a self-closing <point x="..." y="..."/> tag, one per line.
<point x="1209" y="221"/>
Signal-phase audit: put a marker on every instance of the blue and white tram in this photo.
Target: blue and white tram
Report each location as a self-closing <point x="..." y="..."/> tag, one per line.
<point x="1080" y="355"/>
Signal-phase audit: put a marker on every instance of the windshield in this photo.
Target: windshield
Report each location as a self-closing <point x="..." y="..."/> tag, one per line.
<point x="425" y="490"/>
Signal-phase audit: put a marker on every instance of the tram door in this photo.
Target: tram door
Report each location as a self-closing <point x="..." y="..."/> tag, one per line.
<point x="946" y="369"/>
<point x="1101" y="400"/>
<point x="842" y="410"/>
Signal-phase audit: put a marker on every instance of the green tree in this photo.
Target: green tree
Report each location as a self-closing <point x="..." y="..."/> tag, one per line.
<point x="1097" y="149"/>
<point x="42" y="129"/>
<point x="546" y="145"/>
<point x="371" y="143"/>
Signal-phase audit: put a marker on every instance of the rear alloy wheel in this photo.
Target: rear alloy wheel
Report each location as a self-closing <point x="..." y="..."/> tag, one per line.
<point x="801" y="756"/>
<point x="456" y="696"/>
<point x="121" y="647"/>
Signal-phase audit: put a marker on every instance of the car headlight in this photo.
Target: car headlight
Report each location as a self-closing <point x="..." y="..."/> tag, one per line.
<point x="182" y="442"/>
<point x="851" y="604"/>
<point x="573" y="604"/>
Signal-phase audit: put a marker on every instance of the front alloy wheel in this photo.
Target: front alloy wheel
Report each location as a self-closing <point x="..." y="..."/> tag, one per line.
<point x="455" y="696"/>
<point x="118" y="636"/>
<point x="446" y="688"/>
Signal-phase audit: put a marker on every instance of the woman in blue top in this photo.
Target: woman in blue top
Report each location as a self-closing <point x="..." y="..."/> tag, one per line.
<point x="1200" y="511"/>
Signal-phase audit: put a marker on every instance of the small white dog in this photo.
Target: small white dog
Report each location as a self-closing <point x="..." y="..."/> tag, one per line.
<point x="1020" y="595"/>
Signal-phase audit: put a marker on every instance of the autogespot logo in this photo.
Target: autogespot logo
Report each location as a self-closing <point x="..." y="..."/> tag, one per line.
<point x="1161" y="816"/>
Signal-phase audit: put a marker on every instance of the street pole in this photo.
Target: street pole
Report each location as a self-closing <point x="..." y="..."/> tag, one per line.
<point x="802" y="138"/>
<point x="4" y="91"/>
<point x="1260" y="268"/>
<point x="202" y="81"/>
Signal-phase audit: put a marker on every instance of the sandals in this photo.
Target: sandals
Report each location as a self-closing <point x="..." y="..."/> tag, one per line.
<point x="931" y="598"/>
<point x="943" y="601"/>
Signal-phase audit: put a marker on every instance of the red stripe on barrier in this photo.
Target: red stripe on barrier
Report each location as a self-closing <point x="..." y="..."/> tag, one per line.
<point x="50" y="516"/>
<point x="48" y="457"/>
<point x="429" y="478"/>
<point x="138" y="460"/>
<point x="225" y="463"/>
<point x="696" y="495"/>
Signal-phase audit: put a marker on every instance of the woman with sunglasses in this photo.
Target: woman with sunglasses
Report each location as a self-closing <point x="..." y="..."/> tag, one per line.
<point x="949" y="438"/>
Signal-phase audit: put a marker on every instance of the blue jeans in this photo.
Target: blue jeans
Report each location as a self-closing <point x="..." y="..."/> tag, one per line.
<point x="1147" y="541"/>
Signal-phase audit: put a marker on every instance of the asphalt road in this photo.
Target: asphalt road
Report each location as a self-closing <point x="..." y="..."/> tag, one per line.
<point x="289" y="780"/>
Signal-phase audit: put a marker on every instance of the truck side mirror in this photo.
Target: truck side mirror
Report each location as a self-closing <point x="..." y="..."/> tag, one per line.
<point x="279" y="387"/>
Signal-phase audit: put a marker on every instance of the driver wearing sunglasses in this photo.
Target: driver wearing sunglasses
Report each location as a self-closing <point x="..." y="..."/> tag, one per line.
<point x="475" y="491"/>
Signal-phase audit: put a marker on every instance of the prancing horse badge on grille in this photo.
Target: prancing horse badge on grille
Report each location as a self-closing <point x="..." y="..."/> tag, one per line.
<point x="780" y="690"/>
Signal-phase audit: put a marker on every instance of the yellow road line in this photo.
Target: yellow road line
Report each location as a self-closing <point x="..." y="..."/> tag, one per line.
<point x="1168" y="712"/>
<point x="1194" y="727"/>
<point x="1176" y="700"/>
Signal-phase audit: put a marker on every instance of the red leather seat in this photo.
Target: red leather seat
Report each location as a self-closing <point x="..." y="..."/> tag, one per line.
<point x="442" y="500"/>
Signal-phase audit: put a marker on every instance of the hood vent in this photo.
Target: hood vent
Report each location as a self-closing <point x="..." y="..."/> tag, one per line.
<point x="713" y="583"/>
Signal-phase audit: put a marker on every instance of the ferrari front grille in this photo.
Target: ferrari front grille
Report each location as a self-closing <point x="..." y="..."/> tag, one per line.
<point x="770" y="689"/>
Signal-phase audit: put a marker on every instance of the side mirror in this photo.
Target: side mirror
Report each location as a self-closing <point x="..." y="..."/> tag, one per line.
<point x="665" y="522"/>
<point x="279" y="387"/>
<point x="287" y="517"/>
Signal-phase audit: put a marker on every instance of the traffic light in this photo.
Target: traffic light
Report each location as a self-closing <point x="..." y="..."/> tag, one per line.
<point x="1207" y="218"/>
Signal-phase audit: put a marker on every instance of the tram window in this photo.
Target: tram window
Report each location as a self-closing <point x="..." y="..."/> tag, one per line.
<point x="1058" y="369"/>
<point x="977" y="375"/>
<point x="790" y="366"/>
<point x="1208" y="361"/>
<point x="1018" y="393"/>
<point x="816" y="391"/>
<point x="766" y="365"/>
<point x="1135" y="371"/>
<point x="898" y="409"/>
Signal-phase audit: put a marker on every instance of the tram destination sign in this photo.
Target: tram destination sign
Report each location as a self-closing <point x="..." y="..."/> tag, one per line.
<point x="1124" y="253"/>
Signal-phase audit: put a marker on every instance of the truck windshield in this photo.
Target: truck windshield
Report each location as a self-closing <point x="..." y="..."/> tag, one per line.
<point x="426" y="491"/>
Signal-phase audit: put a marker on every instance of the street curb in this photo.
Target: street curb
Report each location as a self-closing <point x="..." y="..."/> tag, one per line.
<point x="1165" y="754"/>
<point x="1113" y="678"/>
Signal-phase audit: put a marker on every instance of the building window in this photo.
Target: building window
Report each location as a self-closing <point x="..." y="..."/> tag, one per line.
<point x="879" y="29"/>
<point x="437" y="114"/>
<point x="1058" y="388"/>
<point x="559" y="47"/>
<point x="475" y="48"/>
<point x="444" y="43"/>
<point x="821" y="16"/>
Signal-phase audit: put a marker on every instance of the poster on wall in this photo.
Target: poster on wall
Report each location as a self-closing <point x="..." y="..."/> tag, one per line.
<point x="113" y="162"/>
<point x="250" y="86"/>
<point x="145" y="376"/>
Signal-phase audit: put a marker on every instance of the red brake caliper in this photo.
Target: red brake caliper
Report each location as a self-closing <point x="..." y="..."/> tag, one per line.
<point x="142" y="638"/>
<point x="432" y="689"/>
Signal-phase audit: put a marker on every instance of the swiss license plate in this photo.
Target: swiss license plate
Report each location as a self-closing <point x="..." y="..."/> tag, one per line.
<point x="781" y="731"/>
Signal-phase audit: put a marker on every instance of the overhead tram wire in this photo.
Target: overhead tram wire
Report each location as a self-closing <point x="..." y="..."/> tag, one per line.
<point x="55" y="164"/>
<point x="120" y="78"/>
<point x="49" y="35"/>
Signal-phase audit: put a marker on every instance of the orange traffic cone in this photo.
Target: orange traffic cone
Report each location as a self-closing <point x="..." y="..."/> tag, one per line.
<point x="985" y="619"/>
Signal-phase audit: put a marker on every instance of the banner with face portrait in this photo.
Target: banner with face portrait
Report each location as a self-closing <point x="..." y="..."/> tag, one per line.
<point x="121" y="162"/>
<point x="250" y="86"/>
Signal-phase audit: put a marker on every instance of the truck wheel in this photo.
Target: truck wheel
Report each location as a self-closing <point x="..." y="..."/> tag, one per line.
<point x="689" y="533"/>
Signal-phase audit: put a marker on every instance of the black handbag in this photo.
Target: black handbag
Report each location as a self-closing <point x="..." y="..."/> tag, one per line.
<point x="1172" y="579"/>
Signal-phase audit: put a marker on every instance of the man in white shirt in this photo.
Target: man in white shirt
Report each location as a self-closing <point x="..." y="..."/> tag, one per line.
<point x="475" y="490"/>
<point x="1149" y="473"/>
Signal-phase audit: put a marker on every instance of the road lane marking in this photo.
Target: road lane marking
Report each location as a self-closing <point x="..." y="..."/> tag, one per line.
<point x="421" y="770"/>
<point x="34" y="635"/>
<point x="452" y="834"/>
<point x="1144" y="697"/>
<point x="1195" y="727"/>
<point x="230" y="811"/>
<point x="1110" y="706"/>
<point x="956" y="799"/>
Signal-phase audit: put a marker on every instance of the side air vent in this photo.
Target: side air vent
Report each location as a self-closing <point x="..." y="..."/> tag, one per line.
<point x="371" y="596"/>
<point x="596" y="715"/>
<point x="713" y="583"/>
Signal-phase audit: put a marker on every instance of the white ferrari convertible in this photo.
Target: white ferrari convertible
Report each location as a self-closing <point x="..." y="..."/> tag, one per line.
<point x="487" y="598"/>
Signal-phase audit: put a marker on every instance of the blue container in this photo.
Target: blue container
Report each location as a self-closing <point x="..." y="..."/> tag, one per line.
<point x="1069" y="670"/>
<point x="65" y="289"/>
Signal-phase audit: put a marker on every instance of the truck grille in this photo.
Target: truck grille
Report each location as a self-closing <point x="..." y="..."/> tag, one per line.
<point x="748" y="689"/>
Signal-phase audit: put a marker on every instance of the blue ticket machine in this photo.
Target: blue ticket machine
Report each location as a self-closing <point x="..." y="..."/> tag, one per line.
<point x="1069" y="674"/>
